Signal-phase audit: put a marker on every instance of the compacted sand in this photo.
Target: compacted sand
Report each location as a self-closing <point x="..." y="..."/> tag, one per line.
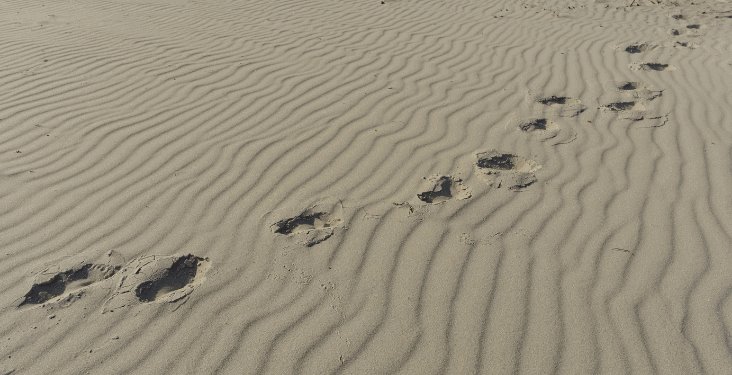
<point x="358" y="187"/>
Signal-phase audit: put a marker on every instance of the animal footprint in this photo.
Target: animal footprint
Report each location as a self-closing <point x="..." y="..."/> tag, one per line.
<point x="563" y="106"/>
<point x="158" y="279"/>
<point x="312" y="226"/>
<point x="443" y="188"/>
<point x="499" y="168"/>
<point x="59" y="285"/>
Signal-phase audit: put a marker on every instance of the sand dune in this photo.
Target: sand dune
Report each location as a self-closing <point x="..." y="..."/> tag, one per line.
<point x="361" y="187"/>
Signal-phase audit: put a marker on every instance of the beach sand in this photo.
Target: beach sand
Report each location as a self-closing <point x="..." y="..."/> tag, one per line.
<point x="366" y="187"/>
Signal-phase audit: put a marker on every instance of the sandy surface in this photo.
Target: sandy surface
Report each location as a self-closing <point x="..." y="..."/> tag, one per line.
<point x="321" y="186"/>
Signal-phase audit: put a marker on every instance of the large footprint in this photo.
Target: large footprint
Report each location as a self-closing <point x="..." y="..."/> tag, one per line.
<point x="157" y="279"/>
<point x="60" y="284"/>
<point x="68" y="280"/>
<point x="499" y="169"/>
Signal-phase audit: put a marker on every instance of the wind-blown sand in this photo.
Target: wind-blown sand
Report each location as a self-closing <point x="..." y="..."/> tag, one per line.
<point x="316" y="187"/>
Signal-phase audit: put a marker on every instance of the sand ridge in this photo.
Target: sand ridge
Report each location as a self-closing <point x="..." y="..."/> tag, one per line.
<point x="366" y="187"/>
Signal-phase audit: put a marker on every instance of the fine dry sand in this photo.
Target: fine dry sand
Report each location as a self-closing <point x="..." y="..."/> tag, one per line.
<point x="358" y="187"/>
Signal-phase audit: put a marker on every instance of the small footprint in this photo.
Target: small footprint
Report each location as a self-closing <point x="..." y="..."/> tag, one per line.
<point x="158" y="279"/>
<point x="304" y="222"/>
<point x="621" y="106"/>
<point x="638" y="91"/>
<point x="628" y="86"/>
<point x="312" y="226"/>
<point x="500" y="169"/>
<point x="552" y="100"/>
<point x="630" y="110"/>
<point x="443" y="188"/>
<point x="563" y="106"/>
<point x="652" y="67"/>
<point x="684" y="44"/>
<point x="544" y="127"/>
<point x="691" y="29"/>
<point x="637" y="48"/>
<point x="539" y="124"/>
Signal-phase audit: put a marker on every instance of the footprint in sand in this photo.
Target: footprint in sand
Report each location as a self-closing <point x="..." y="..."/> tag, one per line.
<point x="546" y="128"/>
<point x="58" y="286"/>
<point x="631" y="110"/>
<point x="658" y="67"/>
<point x="692" y="30"/>
<point x="628" y="86"/>
<point x="632" y="101"/>
<point x="443" y="188"/>
<point x="638" y="48"/>
<point x="621" y="106"/>
<point x="638" y="90"/>
<point x="652" y="67"/>
<point x="681" y="44"/>
<point x="312" y="226"/>
<point x="562" y="105"/>
<point x="499" y="169"/>
<point x="157" y="279"/>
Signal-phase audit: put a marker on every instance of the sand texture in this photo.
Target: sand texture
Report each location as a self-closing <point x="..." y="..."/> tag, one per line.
<point x="366" y="187"/>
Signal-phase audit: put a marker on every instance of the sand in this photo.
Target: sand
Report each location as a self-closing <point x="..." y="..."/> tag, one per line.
<point x="358" y="187"/>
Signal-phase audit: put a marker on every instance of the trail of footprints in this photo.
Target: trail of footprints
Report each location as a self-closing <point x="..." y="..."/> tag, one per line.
<point x="157" y="279"/>
<point x="517" y="173"/>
